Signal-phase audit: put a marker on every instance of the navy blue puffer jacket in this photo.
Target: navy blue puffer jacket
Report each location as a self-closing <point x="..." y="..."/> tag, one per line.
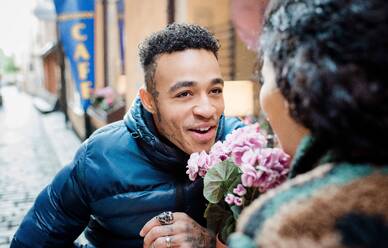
<point x="121" y="177"/>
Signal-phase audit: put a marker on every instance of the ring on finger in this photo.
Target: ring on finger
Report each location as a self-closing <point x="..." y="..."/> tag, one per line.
<point x="168" y="240"/>
<point x="165" y="218"/>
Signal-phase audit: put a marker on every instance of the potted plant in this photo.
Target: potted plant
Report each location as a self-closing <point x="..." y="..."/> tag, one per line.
<point x="107" y="106"/>
<point x="235" y="173"/>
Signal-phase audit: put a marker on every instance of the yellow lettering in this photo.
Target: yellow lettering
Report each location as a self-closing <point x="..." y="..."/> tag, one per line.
<point x="76" y="32"/>
<point x="81" y="52"/>
<point x="85" y="89"/>
<point x="83" y="70"/>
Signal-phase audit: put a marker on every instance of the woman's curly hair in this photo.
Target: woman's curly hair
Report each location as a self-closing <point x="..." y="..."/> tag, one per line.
<point x="331" y="64"/>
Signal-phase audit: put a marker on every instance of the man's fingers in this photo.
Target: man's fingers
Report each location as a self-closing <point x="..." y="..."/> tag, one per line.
<point x="148" y="226"/>
<point x="175" y="241"/>
<point x="158" y="232"/>
<point x="180" y="216"/>
<point x="184" y="232"/>
<point x="154" y="222"/>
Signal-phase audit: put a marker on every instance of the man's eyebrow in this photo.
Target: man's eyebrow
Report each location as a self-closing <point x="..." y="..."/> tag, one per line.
<point x="217" y="81"/>
<point x="181" y="84"/>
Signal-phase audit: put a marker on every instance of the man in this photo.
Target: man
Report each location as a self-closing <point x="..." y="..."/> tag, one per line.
<point x="128" y="172"/>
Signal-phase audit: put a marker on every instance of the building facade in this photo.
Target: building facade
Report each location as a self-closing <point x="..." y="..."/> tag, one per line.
<point x="121" y="25"/>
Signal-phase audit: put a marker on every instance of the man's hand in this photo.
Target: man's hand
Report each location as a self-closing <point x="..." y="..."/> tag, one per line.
<point x="184" y="232"/>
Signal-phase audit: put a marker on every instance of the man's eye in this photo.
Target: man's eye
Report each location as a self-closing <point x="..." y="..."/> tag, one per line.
<point x="183" y="94"/>
<point x="216" y="91"/>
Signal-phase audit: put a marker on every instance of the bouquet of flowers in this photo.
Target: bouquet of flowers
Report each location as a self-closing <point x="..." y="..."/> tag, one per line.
<point x="236" y="172"/>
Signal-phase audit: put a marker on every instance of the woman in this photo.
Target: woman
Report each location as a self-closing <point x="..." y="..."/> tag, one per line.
<point x="325" y="94"/>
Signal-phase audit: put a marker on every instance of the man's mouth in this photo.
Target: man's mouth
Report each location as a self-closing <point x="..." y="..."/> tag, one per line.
<point x="203" y="134"/>
<point x="201" y="130"/>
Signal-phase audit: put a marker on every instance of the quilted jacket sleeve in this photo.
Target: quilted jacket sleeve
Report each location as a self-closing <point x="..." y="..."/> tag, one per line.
<point x="231" y="123"/>
<point x="60" y="212"/>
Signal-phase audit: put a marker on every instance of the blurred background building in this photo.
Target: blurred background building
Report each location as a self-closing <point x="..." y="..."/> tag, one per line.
<point x="119" y="27"/>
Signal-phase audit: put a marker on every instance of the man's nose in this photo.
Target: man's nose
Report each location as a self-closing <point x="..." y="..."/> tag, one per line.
<point x="204" y="108"/>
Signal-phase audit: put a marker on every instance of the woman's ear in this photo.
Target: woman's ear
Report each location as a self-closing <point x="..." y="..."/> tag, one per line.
<point x="147" y="100"/>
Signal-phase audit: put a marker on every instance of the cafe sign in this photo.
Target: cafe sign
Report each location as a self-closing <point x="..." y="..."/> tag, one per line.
<point x="76" y="34"/>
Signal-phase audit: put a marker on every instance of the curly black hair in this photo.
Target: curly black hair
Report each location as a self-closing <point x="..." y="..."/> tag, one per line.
<point x="175" y="37"/>
<point x="331" y="59"/>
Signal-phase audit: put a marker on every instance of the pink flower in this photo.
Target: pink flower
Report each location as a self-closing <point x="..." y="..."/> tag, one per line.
<point x="192" y="166"/>
<point x="238" y="201"/>
<point x="248" y="135"/>
<point x="243" y="140"/>
<point x="238" y="152"/>
<point x="219" y="151"/>
<point x="198" y="164"/>
<point x="248" y="178"/>
<point x="213" y="160"/>
<point x="229" y="199"/>
<point x="204" y="163"/>
<point x="273" y="168"/>
<point x="240" y="190"/>
<point x="251" y="157"/>
<point x="276" y="158"/>
<point x="250" y="162"/>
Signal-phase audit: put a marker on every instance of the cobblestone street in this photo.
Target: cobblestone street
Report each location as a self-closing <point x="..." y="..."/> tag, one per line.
<point x="33" y="147"/>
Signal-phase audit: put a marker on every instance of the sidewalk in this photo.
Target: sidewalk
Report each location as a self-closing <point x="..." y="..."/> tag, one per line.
<point x="62" y="138"/>
<point x="33" y="148"/>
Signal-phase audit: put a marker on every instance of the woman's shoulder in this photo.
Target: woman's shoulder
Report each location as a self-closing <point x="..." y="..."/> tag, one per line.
<point x="318" y="208"/>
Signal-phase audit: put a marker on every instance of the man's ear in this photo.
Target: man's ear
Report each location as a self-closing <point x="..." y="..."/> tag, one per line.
<point x="147" y="100"/>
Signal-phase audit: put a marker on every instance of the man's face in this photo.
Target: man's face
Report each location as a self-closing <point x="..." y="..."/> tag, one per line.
<point x="189" y="99"/>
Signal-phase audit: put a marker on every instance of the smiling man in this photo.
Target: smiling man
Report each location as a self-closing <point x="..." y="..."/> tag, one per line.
<point x="187" y="101"/>
<point x="132" y="171"/>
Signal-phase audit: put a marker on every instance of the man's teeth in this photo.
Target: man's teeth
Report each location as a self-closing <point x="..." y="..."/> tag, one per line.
<point x="203" y="129"/>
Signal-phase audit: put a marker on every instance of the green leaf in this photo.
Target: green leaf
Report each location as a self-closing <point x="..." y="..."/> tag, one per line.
<point x="215" y="215"/>
<point x="228" y="228"/>
<point x="233" y="184"/>
<point x="236" y="210"/>
<point x="219" y="179"/>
